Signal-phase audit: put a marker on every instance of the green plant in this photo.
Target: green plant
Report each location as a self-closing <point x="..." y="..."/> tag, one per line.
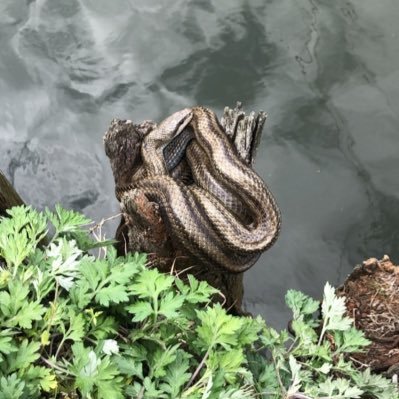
<point x="315" y="362"/>
<point x="75" y="325"/>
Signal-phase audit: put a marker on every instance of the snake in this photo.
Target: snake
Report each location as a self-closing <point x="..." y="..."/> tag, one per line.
<point x="227" y="216"/>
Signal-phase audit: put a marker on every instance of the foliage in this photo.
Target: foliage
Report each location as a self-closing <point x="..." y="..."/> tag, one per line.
<point x="73" y="325"/>
<point x="315" y="361"/>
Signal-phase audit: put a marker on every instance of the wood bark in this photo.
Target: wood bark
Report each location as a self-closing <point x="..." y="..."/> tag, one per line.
<point x="142" y="229"/>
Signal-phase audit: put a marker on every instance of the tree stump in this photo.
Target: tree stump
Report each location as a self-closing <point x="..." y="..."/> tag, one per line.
<point x="372" y="300"/>
<point x="142" y="229"/>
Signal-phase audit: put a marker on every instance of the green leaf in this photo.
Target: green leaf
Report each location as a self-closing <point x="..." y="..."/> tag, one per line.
<point x="29" y="312"/>
<point x="300" y="304"/>
<point x="111" y="294"/>
<point x="120" y="273"/>
<point x="134" y="261"/>
<point x="196" y="291"/>
<point x="271" y="338"/>
<point x="141" y="310"/>
<point x="322" y="351"/>
<point x="305" y="333"/>
<point x="339" y="388"/>
<point x="228" y="363"/>
<point x="11" y="387"/>
<point x="376" y="385"/>
<point x="57" y="313"/>
<point x="93" y="273"/>
<point x="325" y="368"/>
<point x="85" y="240"/>
<point x="66" y="220"/>
<point x="7" y="345"/>
<point x="76" y="330"/>
<point x="16" y="308"/>
<point x="344" y="366"/>
<point x="268" y="379"/>
<point x="87" y="375"/>
<point x="129" y="366"/>
<point x="96" y="376"/>
<point x="250" y="329"/>
<point x="27" y="353"/>
<point x="333" y="309"/>
<point x="217" y="327"/>
<point x="350" y="341"/>
<point x="11" y="302"/>
<point x="177" y="375"/>
<point x="237" y="393"/>
<point x="20" y="234"/>
<point x="162" y="358"/>
<point x="103" y="328"/>
<point x="170" y="304"/>
<point x="150" y="283"/>
<point x="36" y="377"/>
<point x="108" y="283"/>
<point x="151" y="391"/>
<point x="48" y="380"/>
<point x="295" y="368"/>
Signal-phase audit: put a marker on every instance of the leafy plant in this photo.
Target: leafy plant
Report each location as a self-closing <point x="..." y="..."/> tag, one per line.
<point x="75" y="325"/>
<point x="315" y="362"/>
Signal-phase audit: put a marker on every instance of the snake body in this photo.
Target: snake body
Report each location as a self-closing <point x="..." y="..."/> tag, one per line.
<point x="228" y="216"/>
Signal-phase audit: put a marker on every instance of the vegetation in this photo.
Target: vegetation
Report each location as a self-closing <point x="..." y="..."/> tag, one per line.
<point x="74" y="325"/>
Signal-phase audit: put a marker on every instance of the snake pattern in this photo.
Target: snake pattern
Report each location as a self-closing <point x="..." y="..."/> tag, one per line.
<point x="226" y="217"/>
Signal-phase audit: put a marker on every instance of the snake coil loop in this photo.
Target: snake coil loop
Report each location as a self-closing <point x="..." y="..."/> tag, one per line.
<point x="227" y="217"/>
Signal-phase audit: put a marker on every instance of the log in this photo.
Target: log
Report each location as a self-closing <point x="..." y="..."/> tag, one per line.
<point x="142" y="229"/>
<point x="8" y="195"/>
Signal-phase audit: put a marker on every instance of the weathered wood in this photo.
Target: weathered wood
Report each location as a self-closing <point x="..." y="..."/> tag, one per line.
<point x="142" y="228"/>
<point x="8" y="195"/>
<point x="244" y="131"/>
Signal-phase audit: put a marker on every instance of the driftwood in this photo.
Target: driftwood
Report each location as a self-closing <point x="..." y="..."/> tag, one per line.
<point x="8" y="195"/>
<point x="141" y="227"/>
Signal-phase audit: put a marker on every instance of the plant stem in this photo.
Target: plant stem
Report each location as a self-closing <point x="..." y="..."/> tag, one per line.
<point x="59" y="347"/>
<point x="323" y="331"/>
<point x="283" y="390"/>
<point x="198" y="369"/>
<point x="55" y="366"/>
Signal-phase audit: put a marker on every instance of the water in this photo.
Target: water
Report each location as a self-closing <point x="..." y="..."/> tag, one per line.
<point x="327" y="73"/>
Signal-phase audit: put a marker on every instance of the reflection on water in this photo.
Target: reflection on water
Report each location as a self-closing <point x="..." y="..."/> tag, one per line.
<point x="326" y="72"/>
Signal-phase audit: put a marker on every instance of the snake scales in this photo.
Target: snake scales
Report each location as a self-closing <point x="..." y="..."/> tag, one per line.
<point x="227" y="216"/>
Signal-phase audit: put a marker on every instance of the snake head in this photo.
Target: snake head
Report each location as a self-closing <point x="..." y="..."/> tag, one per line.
<point x="174" y="124"/>
<point x="154" y="143"/>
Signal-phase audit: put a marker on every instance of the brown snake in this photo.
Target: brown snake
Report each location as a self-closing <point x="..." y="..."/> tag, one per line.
<point x="228" y="216"/>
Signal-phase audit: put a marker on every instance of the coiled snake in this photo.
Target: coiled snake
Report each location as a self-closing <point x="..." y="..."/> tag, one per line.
<point x="227" y="216"/>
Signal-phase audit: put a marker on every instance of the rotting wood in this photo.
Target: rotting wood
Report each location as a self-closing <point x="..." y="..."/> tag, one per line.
<point x="141" y="228"/>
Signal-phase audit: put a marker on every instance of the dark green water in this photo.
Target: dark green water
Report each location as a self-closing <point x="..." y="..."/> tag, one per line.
<point x="326" y="72"/>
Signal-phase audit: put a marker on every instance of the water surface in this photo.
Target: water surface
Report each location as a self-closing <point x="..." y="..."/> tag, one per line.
<point x="327" y="74"/>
